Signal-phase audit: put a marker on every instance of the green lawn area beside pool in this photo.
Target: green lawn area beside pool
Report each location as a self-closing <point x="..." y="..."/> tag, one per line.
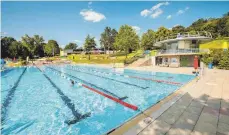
<point x="103" y="58"/>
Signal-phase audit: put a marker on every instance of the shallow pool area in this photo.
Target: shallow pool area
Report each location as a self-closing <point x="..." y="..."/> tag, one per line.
<point x="76" y="99"/>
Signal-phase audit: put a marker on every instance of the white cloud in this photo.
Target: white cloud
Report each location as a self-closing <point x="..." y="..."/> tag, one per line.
<point x="169" y="17"/>
<point x="182" y="11"/>
<point x="145" y="12"/>
<point x="90" y="15"/>
<point x="157" y="13"/>
<point x="137" y="29"/>
<point x="159" y="5"/>
<point x="176" y="25"/>
<point x="78" y="41"/>
<point x="187" y="8"/>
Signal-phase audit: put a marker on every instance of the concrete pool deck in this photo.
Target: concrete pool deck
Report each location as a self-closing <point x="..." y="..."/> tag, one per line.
<point x="199" y="108"/>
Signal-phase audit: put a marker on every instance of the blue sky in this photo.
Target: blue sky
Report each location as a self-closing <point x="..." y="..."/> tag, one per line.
<point x="71" y="21"/>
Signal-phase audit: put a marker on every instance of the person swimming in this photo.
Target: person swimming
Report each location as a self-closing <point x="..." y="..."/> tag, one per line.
<point x="72" y="82"/>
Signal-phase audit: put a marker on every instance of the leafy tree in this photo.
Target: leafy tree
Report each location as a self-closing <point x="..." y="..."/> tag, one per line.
<point x="211" y="26"/>
<point x="148" y="39"/>
<point x="89" y="44"/>
<point x="197" y="25"/>
<point x="108" y="38"/>
<point x="223" y="26"/>
<point x="178" y="29"/>
<point x="14" y="49"/>
<point x="71" y="46"/>
<point x="224" y="61"/>
<point x="126" y="39"/>
<point x="17" y="50"/>
<point x="39" y="48"/>
<point x="5" y="43"/>
<point x="162" y="32"/>
<point x="51" y="48"/>
<point x="34" y="44"/>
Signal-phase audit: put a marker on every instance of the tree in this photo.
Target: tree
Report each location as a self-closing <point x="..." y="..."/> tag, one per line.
<point x="14" y="49"/>
<point x="89" y="44"/>
<point x="71" y="46"/>
<point x="108" y="38"/>
<point x="223" y="26"/>
<point x="126" y="39"/>
<point x="39" y="48"/>
<point x="197" y="25"/>
<point x="5" y="43"/>
<point x="34" y="45"/>
<point x="51" y="48"/>
<point x="178" y="29"/>
<point x="162" y="32"/>
<point x="17" y="50"/>
<point x="148" y="39"/>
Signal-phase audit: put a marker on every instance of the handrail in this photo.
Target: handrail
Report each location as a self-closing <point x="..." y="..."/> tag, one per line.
<point x="185" y="34"/>
<point x="191" y="50"/>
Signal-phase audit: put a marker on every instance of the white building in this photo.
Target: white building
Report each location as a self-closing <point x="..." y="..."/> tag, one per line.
<point x="180" y="49"/>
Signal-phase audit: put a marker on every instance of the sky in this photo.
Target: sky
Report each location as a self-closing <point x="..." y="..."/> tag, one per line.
<point x="72" y="21"/>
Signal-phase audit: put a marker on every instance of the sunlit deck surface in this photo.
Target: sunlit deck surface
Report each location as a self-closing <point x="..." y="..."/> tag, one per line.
<point x="199" y="108"/>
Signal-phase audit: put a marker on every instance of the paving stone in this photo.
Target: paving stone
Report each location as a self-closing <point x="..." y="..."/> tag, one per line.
<point x="209" y="118"/>
<point x="188" y="117"/>
<point x="224" y="103"/>
<point x="223" y="128"/>
<point x="224" y="111"/>
<point x="158" y="127"/>
<point x="224" y="119"/>
<point x="196" y="103"/>
<point x="211" y="111"/>
<point x="218" y="133"/>
<point x="177" y="109"/>
<point x="185" y="100"/>
<point x="169" y="117"/>
<point x="178" y="131"/>
<point x="203" y="98"/>
<point x="194" y="110"/>
<point x="201" y="133"/>
<point x="204" y="127"/>
<point x="213" y="104"/>
<point x="184" y="126"/>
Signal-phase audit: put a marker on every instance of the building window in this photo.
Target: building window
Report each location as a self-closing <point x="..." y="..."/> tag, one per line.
<point x="193" y="41"/>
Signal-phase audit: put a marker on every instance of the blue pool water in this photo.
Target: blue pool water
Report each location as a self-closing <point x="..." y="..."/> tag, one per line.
<point x="34" y="103"/>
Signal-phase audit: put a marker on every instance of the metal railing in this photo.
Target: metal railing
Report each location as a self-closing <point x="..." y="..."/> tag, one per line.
<point x="185" y="35"/>
<point x="170" y="51"/>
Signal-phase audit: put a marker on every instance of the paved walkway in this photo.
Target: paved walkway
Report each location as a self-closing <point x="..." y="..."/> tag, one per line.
<point x="203" y="109"/>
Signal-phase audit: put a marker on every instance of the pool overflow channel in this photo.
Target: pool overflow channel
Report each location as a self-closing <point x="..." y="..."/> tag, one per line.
<point x="109" y="79"/>
<point x="101" y="91"/>
<point x="68" y="102"/>
<point x="141" y="78"/>
<point x="9" y="97"/>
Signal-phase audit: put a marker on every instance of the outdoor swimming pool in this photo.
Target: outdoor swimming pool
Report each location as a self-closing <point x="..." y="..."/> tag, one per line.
<point x="44" y="101"/>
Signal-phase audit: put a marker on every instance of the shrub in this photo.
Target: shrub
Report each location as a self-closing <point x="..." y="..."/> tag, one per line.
<point x="219" y="58"/>
<point x="224" y="61"/>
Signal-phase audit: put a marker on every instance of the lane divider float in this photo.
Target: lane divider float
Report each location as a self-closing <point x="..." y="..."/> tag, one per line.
<point x="118" y="100"/>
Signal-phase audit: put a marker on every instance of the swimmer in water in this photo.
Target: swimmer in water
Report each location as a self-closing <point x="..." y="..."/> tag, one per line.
<point x="72" y="82"/>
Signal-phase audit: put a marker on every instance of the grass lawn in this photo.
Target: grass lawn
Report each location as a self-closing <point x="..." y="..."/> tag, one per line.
<point x="101" y="58"/>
